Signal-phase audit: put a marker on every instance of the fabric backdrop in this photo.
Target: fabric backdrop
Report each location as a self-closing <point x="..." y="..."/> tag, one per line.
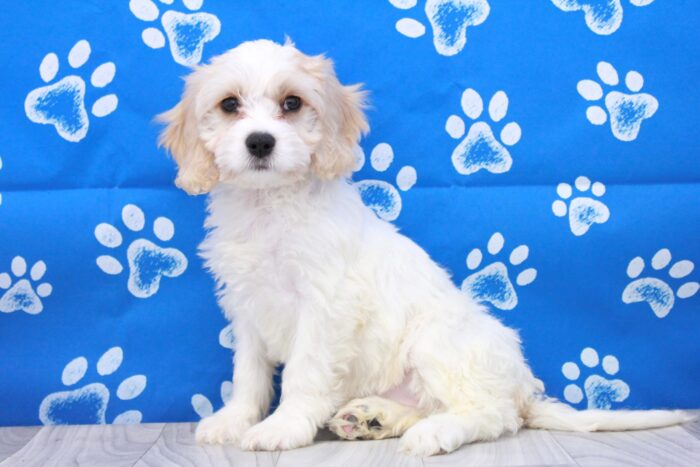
<point x="544" y="151"/>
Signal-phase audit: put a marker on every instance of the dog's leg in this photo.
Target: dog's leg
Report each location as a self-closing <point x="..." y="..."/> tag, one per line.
<point x="475" y="377"/>
<point x="373" y="418"/>
<point x="310" y="382"/>
<point x="251" y="396"/>
<point x="447" y="431"/>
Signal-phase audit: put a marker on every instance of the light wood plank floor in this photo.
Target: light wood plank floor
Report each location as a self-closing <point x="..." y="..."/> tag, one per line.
<point x="160" y="444"/>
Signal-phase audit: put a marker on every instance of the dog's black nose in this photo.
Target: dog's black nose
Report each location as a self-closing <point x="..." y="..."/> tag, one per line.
<point x="260" y="144"/>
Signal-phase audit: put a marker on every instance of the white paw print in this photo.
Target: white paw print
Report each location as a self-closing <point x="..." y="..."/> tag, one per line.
<point x="626" y="111"/>
<point x="187" y="32"/>
<point x="203" y="406"/>
<point x="148" y="262"/>
<point x="25" y="294"/>
<point x="584" y="211"/>
<point x="226" y="337"/>
<point x="492" y="283"/>
<point x="603" y="17"/>
<point x="600" y="392"/>
<point x="379" y="195"/>
<point x="62" y="104"/>
<point x="481" y="149"/>
<point x="449" y="20"/>
<point x="656" y="292"/>
<point x="88" y="404"/>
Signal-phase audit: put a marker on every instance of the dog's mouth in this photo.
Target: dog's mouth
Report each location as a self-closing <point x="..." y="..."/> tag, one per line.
<point x="261" y="166"/>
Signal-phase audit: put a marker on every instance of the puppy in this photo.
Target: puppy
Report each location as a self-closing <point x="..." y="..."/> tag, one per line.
<point x="375" y="338"/>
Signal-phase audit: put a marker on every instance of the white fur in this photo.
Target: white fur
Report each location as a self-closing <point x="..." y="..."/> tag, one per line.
<point x="311" y="278"/>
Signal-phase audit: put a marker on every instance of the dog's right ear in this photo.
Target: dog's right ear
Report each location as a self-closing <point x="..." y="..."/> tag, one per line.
<point x="197" y="172"/>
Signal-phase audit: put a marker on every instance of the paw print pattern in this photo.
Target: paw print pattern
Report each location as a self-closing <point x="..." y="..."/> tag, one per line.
<point x="584" y="211"/>
<point x="492" y="283"/>
<point x="481" y="149"/>
<point x="26" y="293"/>
<point x="226" y="337"/>
<point x="626" y="111"/>
<point x="201" y="403"/>
<point x="379" y="195"/>
<point x="88" y="404"/>
<point x="600" y="392"/>
<point x="449" y="20"/>
<point x="656" y="292"/>
<point x="148" y="262"/>
<point x="603" y="17"/>
<point x="203" y="406"/>
<point x="187" y="32"/>
<point x="62" y="104"/>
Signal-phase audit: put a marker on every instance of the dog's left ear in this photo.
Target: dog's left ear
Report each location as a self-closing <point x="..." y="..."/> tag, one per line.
<point x="343" y="121"/>
<point x="197" y="172"/>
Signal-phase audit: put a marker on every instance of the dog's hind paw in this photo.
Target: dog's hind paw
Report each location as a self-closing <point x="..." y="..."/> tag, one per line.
<point x="373" y="418"/>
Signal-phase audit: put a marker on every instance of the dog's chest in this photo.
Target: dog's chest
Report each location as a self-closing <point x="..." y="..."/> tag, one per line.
<point x="279" y="256"/>
<point x="266" y="279"/>
<point x="268" y="255"/>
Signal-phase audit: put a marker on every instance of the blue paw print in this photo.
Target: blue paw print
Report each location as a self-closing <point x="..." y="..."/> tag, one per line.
<point x="449" y="20"/>
<point x="627" y="111"/>
<point x="656" y="292"/>
<point x="62" y="104"/>
<point x="379" y="195"/>
<point x="492" y="283"/>
<point x="24" y="294"/>
<point x="148" y="262"/>
<point x="186" y="32"/>
<point x="481" y="149"/>
<point x="88" y="404"/>
<point x="603" y="17"/>
<point x="600" y="392"/>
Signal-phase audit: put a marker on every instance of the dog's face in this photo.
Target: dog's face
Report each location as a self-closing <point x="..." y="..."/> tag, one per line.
<point x="263" y="115"/>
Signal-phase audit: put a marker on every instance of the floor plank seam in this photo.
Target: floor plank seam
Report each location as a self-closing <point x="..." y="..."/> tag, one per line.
<point x="2" y="461"/>
<point x="571" y="455"/>
<point x="160" y="435"/>
<point x="276" y="458"/>
<point x="14" y="454"/>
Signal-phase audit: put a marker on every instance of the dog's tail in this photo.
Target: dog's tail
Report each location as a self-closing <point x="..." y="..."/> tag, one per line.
<point x="550" y="414"/>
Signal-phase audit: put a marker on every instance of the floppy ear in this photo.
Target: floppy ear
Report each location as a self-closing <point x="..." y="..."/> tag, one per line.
<point x="197" y="172"/>
<point x="343" y="120"/>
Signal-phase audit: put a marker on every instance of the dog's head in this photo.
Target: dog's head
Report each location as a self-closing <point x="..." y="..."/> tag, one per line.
<point x="261" y="115"/>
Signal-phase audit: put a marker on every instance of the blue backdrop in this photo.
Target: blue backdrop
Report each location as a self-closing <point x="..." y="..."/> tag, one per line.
<point x="544" y="151"/>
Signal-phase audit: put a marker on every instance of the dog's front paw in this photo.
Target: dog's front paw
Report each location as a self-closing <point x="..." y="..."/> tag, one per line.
<point x="279" y="432"/>
<point x="224" y="427"/>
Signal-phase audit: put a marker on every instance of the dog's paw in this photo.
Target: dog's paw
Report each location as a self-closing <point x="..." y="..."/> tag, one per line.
<point x="429" y="437"/>
<point x="279" y="432"/>
<point x="226" y="426"/>
<point x="372" y="418"/>
<point x="360" y="419"/>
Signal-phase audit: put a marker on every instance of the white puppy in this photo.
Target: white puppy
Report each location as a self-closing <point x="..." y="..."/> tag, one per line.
<point x="376" y="339"/>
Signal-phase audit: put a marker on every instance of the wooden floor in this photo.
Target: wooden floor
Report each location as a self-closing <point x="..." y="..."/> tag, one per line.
<point x="173" y="444"/>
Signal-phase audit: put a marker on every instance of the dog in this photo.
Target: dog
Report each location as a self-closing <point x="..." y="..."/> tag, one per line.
<point x="375" y="338"/>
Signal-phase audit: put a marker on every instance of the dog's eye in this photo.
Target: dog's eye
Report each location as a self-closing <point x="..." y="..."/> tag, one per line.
<point x="291" y="103"/>
<point x="230" y="105"/>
